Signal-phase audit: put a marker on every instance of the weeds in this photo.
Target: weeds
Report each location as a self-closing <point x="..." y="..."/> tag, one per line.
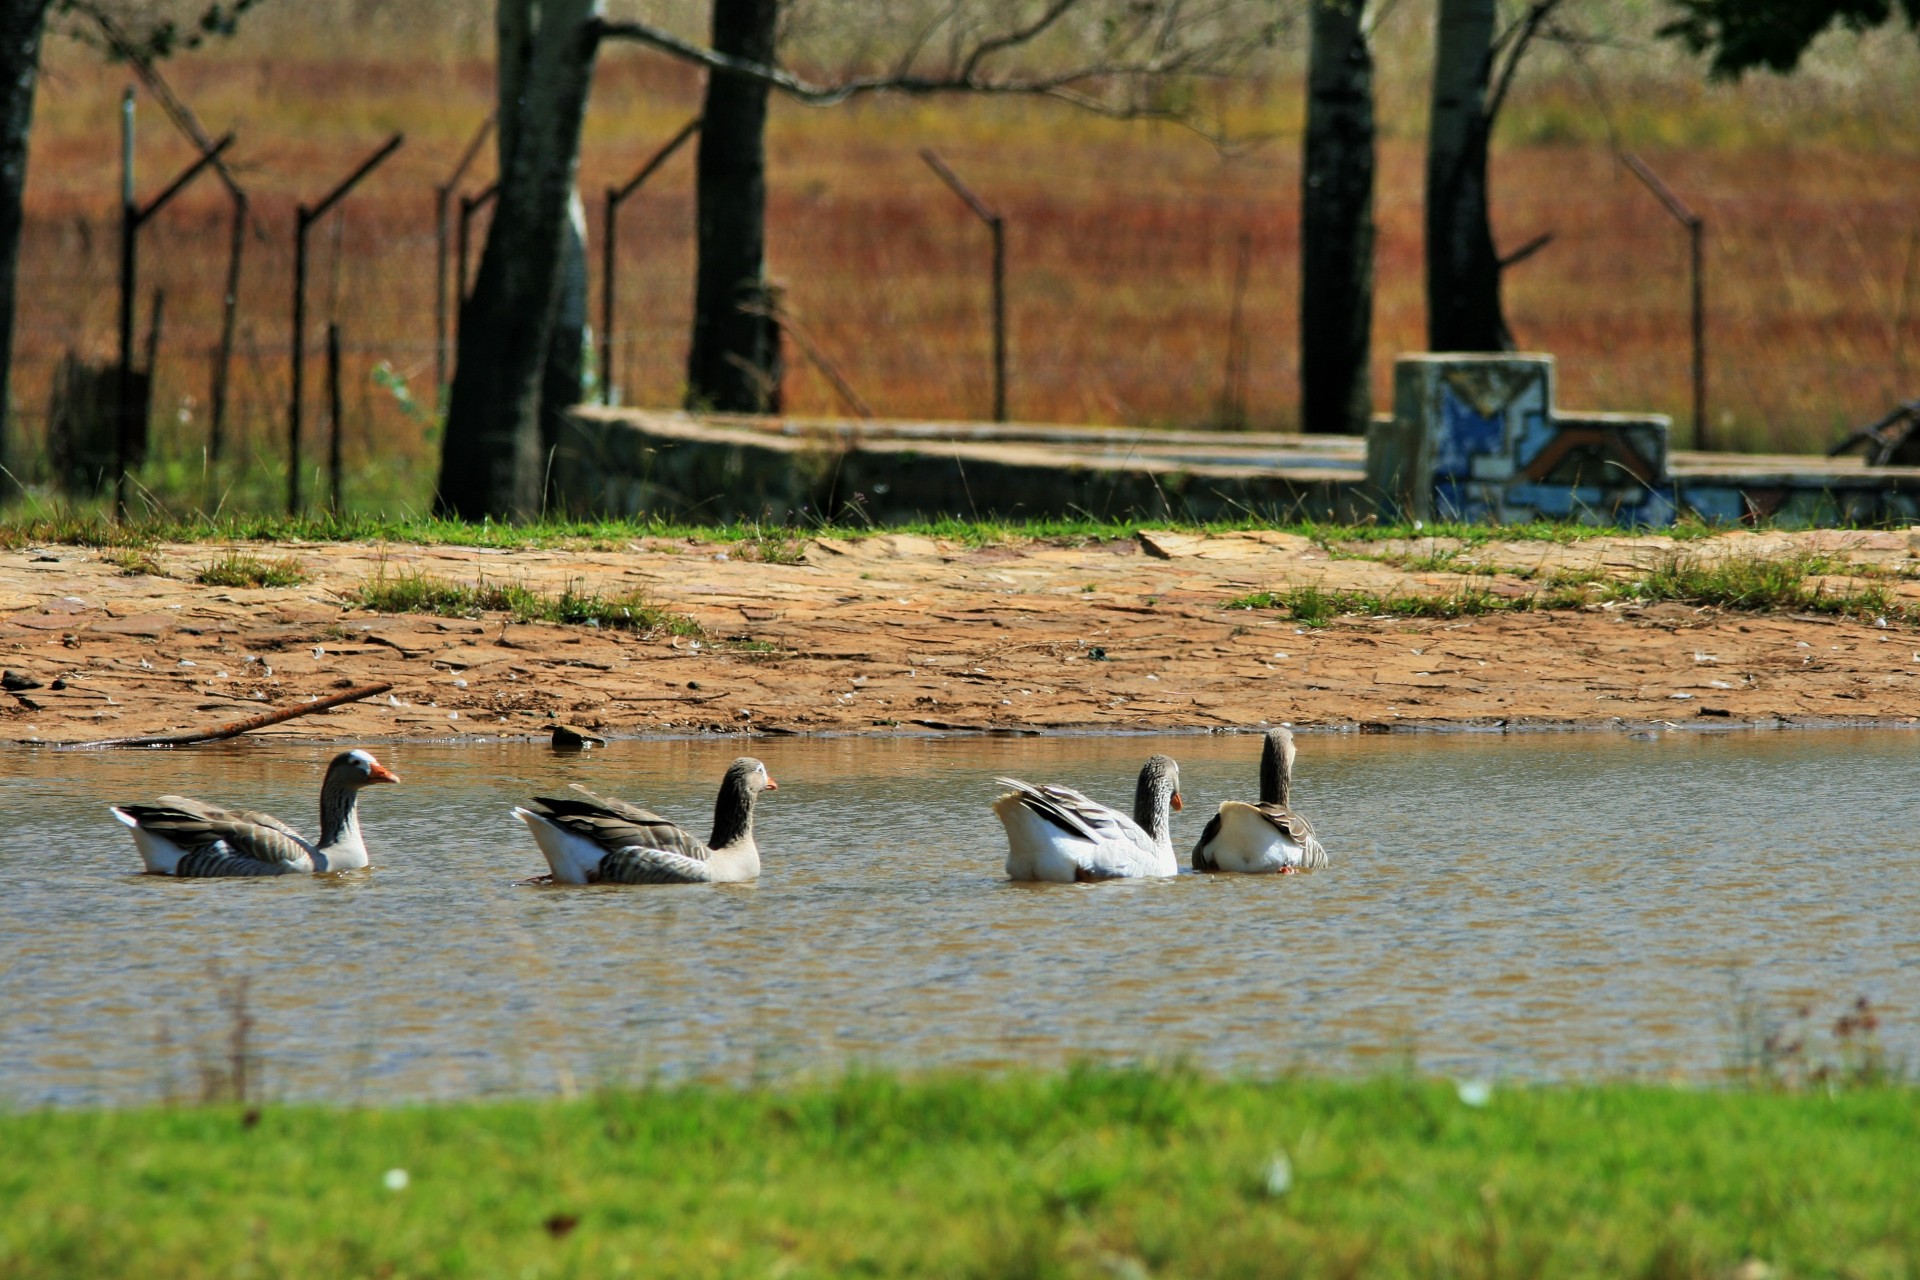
<point x="135" y="562"/>
<point x="1757" y="583"/>
<point x="1754" y="583"/>
<point x="239" y="569"/>
<point x="1775" y="1055"/>
<point x="421" y="593"/>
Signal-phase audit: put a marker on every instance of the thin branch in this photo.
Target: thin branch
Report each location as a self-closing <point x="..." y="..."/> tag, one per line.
<point x="965" y="79"/>
<point x="1018" y="36"/>
<point x="1519" y="35"/>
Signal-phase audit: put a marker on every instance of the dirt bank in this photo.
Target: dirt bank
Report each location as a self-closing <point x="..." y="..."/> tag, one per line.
<point x="898" y="633"/>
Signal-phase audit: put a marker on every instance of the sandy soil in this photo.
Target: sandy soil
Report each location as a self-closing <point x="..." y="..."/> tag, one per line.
<point x="903" y="634"/>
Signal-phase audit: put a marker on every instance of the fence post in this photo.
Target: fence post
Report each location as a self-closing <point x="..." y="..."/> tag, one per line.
<point x="123" y="438"/>
<point x="615" y="197"/>
<point x="441" y="195"/>
<point x="333" y="415"/>
<point x="1696" y="238"/>
<point x="304" y="218"/>
<point x="996" y="227"/>
<point x="132" y="217"/>
<point x="469" y="205"/>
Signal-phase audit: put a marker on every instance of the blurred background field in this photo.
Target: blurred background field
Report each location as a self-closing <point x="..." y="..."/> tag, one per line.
<point x="1125" y="240"/>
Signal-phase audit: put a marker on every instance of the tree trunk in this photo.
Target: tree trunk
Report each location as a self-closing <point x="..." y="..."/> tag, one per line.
<point x="1336" y="224"/>
<point x="21" y="24"/>
<point x="492" y="461"/>
<point x="734" y="363"/>
<point x="1463" y="271"/>
<point x="564" y="377"/>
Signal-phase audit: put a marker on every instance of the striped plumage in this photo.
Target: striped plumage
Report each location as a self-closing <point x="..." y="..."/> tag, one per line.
<point x="177" y="836"/>
<point x="1266" y="837"/>
<point x="589" y="839"/>
<point x="1055" y="833"/>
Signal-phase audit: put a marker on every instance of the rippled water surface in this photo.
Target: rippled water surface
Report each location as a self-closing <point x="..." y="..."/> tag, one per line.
<point x="1547" y="905"/>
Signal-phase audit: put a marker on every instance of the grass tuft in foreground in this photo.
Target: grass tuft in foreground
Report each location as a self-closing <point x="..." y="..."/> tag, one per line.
<point x="1088" y="1172"/>
<point x="422" y="593"/>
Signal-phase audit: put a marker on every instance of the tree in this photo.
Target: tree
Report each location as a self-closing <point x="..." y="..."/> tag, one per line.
<point x="1336" y="223"/>
<point x="732" y="364"/>
<point x="1118" y="58"/>
<point x="1473" y="69"/>
<point x="492" y="460"/>
<point x="21" y="24"/>
<point x="149" y="31"/>
<point x="1744" y="34"/>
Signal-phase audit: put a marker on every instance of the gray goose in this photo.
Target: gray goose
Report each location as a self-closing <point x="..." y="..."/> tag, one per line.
<point x="181" y="837"/>
<point x="590" y="839"/>
<point x="1264" y="837"/>
<point x="1055" y="833"/>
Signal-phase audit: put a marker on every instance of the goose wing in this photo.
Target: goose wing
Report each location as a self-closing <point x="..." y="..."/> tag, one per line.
<point x="1101" y="842"/>
<point x="1297" y="829"/>
<point x="619" y="827"/>
<point x="251" y="816"/>
<point x="1069" y="810"/>
<point x="224" y="838"/>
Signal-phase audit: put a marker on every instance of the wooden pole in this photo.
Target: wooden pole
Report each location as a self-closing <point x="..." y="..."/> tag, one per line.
<point x="239" y="727"/>
<point x="333" y="416"/>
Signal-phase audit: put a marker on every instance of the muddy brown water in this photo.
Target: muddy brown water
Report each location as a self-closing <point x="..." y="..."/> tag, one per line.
<point x="1547" y="905"/>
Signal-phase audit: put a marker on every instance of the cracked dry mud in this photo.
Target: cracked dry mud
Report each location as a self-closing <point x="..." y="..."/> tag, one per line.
<point x="898" y="633"/>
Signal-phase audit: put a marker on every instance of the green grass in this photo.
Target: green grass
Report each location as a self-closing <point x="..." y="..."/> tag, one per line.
<point x="422" y="593"/>
<point x="1777" y="584"/>
<point x="239" y="569"/>
<point x="1088" y="1172"/>
<point x="773" y="543"/>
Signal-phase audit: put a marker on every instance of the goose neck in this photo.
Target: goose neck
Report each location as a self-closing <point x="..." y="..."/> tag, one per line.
<point x="1153" y="806"/>
<point x="340" y="816"/>
<point x="732" y="813"/>
<point x="1276" y="772"/>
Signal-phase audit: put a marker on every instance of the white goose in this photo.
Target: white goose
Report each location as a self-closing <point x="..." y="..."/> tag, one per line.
<point x="1055" y="833"/>
<point x="594" y="840"/>
<point x="182" y="837"/>
<point x="1263" y="837"/>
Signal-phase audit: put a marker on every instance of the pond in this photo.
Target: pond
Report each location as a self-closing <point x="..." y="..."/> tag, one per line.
<point x="1527" y="906"/>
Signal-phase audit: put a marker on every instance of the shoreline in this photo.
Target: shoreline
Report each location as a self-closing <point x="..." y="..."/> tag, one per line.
<point x="903" y="635"/>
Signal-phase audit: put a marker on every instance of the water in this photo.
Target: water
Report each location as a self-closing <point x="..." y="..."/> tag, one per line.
<point x="1563" y="906"/>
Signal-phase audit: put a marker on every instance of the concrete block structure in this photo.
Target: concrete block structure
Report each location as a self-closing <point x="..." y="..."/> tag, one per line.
<point x="1472" y="438"/>
<point x="1478" y="439"/>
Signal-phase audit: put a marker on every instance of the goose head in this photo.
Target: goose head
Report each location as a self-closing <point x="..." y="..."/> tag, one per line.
<point x="357" y="769"/>
<point x="733" y="811"/>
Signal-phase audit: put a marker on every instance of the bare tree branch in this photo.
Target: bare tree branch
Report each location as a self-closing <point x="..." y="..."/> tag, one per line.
<point x="1147" y="52"/>
<point x="1018" y="36"/>
<point x="1514" y="41"/>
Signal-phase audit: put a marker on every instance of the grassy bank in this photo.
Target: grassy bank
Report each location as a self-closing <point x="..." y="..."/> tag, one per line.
<point x="1092" y="1172"/>
<point x="35" y="527"/>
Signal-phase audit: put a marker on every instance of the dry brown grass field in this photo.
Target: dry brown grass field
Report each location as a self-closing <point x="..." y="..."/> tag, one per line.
<point x="1124" y="241"/>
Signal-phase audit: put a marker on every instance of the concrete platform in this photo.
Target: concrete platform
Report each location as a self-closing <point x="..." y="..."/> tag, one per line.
<point x="622" y="462"/>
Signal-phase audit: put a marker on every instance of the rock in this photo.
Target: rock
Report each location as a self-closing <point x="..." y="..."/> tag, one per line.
<point x="568" y="737"/>
<point x="14" y="681"/>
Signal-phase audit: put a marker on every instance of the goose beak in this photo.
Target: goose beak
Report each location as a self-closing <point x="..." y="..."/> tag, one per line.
<point x="1178" y="803"/>
<point x="771" y="784"/>
<point x="382" y="774"/>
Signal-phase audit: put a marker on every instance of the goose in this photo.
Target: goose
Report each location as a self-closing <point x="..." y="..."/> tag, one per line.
<point x="1055" y="833"/>
<point x="594" y="840"/>
<point x="1263" y="837"/>
<point x="182" y="837"/>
